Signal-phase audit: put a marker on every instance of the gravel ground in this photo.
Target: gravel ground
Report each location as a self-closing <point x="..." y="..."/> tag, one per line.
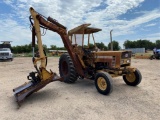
<point x="80" y="101"/>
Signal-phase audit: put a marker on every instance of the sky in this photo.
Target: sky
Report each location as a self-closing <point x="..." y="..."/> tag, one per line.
<point x="129" y="19"/>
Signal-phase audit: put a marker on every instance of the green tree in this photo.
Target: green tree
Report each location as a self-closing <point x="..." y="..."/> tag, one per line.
<point x="53" y="47"/>
<point x="145" y="44"/>
<point x="101" y="46"/>
<point x="158" y="44"/>
<point x="115" y="45"/>
<point x="139" y="44"/>
<point x="130" y="44"/>
<point x="61" y="48"/>
<point x="26" y="48"/>
<point x="45" y="48"/>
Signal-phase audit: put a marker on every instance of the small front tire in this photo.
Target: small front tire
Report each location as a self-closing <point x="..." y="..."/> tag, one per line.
<point x="103" y="83"/>
<point x="133" y="78"/>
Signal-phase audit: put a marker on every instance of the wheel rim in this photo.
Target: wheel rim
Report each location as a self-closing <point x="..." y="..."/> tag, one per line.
<point x="102" y="83"/>
<point x="131" y="77"/>
<point x="64" y="68"/>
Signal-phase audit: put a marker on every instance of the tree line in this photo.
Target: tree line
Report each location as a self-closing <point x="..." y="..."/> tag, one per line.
<point x="127" y="44"/>
<point x="142" y="44"/>
<point x="28" y="48"/>
<point x="25" y="48"/>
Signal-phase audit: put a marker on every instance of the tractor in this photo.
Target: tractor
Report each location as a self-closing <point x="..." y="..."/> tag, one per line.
<point x="83" y="59"/>
<point x="97" y="65"/>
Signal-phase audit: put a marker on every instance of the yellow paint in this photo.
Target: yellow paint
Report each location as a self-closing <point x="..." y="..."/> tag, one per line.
<point x="38" y="35"/>
<point x="46" y="75"/>
<point x="131" y="77"/>
<point x="102" y="83"/>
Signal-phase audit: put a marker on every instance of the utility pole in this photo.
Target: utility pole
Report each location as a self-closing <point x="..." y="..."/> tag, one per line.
<point x="111" y="40"/>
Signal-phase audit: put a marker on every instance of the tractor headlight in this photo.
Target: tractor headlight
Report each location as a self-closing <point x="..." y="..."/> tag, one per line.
<point x="125" y="61"/>
<point x="128" y="61"/>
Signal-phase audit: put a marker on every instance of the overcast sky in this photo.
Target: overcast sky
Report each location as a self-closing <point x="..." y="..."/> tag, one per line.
<point x="129" y="19"/>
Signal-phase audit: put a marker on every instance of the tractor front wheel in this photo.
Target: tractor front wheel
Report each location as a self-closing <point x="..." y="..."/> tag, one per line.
<point x="103" y="83"/>
<point x="133" y="78"/>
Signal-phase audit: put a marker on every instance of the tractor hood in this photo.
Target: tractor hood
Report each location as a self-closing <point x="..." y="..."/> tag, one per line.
<point x="112" y="57"/>
<point x="113" y="53"/>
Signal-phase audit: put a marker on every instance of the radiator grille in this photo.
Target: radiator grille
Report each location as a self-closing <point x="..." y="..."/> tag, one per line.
<point x="4" y="54"/>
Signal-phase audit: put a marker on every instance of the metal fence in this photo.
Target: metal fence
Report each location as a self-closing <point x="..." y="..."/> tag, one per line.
<point x="136" y="50"/>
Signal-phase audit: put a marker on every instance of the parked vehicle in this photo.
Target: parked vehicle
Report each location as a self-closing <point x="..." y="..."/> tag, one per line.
<point x="5" y="51"/>
<point x="156" y="55"/>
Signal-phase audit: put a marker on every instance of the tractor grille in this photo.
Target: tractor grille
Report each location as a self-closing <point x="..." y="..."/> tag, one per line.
<point x="126" y="55"/>
<point x="4" y="54"/>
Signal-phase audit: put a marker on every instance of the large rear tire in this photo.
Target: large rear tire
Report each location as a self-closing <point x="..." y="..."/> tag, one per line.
<point x="133" y="78"/>
<point x="67" y="69"/>
<point x="103" y="83"/>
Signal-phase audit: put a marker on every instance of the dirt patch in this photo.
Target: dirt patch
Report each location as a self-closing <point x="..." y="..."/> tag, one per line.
<point x="142" y="56"/>
<point x="81" y="100"/>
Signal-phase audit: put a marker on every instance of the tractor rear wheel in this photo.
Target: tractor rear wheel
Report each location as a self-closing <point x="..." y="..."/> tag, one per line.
<point x="133" y="78"/>
<point x="67" y="69"/>
<point x="103" y="83"/>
